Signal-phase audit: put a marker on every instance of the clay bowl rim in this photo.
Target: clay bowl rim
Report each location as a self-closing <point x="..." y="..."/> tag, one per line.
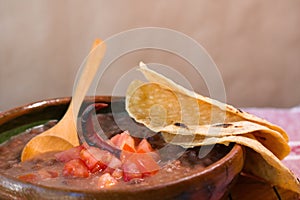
<point x="20" y="111"/>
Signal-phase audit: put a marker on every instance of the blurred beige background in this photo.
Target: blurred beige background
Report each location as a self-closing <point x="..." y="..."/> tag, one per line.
<point x="255" y="44"/>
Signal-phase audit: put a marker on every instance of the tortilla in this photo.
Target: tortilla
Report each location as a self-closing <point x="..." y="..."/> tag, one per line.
<point x="232" y="114"/>
<point x="271" y="139"/>
<point x="188" y="119"/>
<point x="158" y="108"/>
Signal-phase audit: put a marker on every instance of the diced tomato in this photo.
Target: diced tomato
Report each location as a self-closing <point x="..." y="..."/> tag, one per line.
<point x="96" y="159"/>
<point x="106" y="181"/>
<point x="131" y="170"/>
<point x="115" y="140"/>
<point x="46" y="174"/>
<point x="125" y="155"/>
<point x="148" y="166"/>
<point x="123" y="139"/>
<point x="69" y="154"/>
<point x="103" y="157"/>
<point x="139" y="165"/>
<point x="114" y="163"/>
<point x="126" y="143"/>
<point x="90" y="161"/>
<point x="144" y="147"/>
<point x="31" y="178"/>
<point x="117" y="173"/>
<point x="128" y="148"/>
<point x="76" y="168"/>
<point x="136" y="162"/>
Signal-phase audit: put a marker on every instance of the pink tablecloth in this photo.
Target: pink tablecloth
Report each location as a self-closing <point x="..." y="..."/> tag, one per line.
<point x="289" y="120"/>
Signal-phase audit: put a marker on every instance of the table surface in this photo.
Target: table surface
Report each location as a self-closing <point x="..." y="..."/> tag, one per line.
<point x="248" y="188"/>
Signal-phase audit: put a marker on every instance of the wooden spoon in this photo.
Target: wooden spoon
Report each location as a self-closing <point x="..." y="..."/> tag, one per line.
<point x="64" y="134"/>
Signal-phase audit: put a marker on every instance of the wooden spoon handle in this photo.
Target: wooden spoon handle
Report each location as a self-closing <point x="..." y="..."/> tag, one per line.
<point x="87" y="75"/>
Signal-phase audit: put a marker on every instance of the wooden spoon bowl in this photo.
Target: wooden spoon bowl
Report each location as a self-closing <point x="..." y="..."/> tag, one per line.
<point x="212" y="182"/>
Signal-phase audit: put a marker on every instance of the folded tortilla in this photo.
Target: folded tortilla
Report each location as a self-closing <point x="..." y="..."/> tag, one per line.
<point x="188" y="119"/>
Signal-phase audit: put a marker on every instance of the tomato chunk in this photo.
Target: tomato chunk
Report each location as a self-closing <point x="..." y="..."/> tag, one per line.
<point x="125" y="155"/>
<point x="91" y="162"/>
<point x="147" y="165"/>
<point x="131" y="170"/>
<point x="69" y="154"/>
<point x="124" y="140"/>
<point x="76" y="168"/>
<point x="117" y="173"/>
<point x="128" y="148"/>
<point x="114" y="163"/>
<point x="31" y="178"/>
<point x="98" y="160"/>
<point x="106" y="180"/>
<point x="144" y="147"/>
<point x="46" y="174"/>
<point x="115" y="140"/>
<point x="135" y="162"/>
<point x="139" y="165"/>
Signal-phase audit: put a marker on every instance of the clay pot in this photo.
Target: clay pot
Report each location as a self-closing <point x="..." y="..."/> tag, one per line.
<point x="212" y="182"/>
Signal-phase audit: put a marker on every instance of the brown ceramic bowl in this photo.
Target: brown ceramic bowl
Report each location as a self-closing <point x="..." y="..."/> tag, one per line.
<point x="212" y="182"/>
